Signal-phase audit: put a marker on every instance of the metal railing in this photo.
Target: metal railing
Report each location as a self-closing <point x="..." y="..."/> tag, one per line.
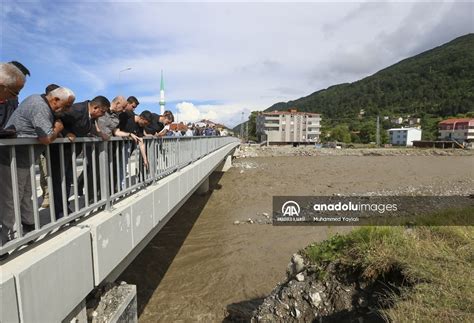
<point x="100" y="174"/>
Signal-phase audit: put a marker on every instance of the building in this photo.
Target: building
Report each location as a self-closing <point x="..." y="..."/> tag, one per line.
<point x="396" y="120"/>
<point x="288" y="127"/>
<point x="178" y="127"/>
<point x="404" y="136"/>
<point x="414" y="121"/>
<point x="461" y="130"/>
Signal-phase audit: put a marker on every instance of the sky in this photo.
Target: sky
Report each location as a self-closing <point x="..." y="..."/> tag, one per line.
<point x="219" y="59"/>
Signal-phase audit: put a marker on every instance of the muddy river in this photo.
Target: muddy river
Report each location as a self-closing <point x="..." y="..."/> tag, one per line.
<point x="202" y="262"/>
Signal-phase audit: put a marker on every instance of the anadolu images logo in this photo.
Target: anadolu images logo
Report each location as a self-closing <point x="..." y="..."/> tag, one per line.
<point x="290" y="208"/>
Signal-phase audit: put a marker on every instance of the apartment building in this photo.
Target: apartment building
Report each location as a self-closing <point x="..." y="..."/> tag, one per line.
<point x="288" y="127"/>
<point x="404" y="136"/>
<point x="461" y="129"/>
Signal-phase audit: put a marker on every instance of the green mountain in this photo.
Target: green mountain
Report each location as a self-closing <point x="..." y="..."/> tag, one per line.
<point x="438" y="83"/>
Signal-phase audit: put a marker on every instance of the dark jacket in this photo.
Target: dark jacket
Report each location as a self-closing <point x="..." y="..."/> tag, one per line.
<point x="155" y="126"/>
<point x="77" y="120"/>
<point x="6" y="110"/>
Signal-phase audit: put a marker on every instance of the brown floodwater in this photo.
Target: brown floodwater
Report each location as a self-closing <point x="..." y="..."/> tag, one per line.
<point x="201" y="263"/>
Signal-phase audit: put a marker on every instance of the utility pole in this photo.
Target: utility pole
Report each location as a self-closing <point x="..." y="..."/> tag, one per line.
<point x="247" y="130"/>
<point x="242" y="127"/>
<point x="377" y="135"/>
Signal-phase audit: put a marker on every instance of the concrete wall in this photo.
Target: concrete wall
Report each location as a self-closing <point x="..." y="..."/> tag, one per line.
<point x="46" y="282"/>
<point x="50" y="279"/>
<point x="8" y="295"/>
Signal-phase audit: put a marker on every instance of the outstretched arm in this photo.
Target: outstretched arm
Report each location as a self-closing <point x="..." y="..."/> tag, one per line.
<point x="143" y="152"/>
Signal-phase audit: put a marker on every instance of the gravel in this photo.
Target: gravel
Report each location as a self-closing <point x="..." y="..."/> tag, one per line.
<point x="273" y="151"/>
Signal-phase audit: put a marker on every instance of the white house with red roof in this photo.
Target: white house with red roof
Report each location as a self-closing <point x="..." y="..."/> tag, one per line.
<point x="460" y="129"/>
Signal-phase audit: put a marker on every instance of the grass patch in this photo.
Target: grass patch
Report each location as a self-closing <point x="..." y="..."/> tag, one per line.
<point x="436" y="261"/>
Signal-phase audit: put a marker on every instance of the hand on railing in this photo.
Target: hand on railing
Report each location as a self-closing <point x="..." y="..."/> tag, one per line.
<point x="58" y="126"/>
<point x="71" y="136"/>
<point x="104" y="136"/>
<point x="145" y="163"/>
<point x="136" y="138"/>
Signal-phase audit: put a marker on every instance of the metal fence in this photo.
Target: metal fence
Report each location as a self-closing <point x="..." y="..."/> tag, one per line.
<point x="99" y="173"/>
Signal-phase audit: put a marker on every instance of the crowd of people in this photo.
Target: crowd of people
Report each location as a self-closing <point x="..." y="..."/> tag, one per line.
<point x="192" y="130"/>
<point x="55" y="114"/>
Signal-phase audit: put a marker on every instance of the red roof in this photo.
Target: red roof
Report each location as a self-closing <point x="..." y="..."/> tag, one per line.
<point x="457" y="120"/>
<point x="178" y="126"/>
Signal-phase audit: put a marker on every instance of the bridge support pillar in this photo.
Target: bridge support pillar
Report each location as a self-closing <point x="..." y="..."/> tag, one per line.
<point x="204" y="187"/>
<point x="225" y="165"/>
<point x="118" y="305"/>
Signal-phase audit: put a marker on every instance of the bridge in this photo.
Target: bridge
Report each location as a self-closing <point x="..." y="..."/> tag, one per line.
<point x="51" y="269"/>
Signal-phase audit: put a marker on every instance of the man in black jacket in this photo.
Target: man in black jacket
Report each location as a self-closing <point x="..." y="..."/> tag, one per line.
<point x="79" y="121"/>
<point x="158" y="123"/>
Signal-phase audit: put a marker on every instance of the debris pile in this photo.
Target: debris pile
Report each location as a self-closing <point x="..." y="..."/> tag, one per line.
<point x="261" y="218"/>
<point x="333" y="294"/>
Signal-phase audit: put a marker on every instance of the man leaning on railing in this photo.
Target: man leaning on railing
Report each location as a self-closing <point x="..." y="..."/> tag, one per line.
<point x="134" y="125"/>
<point x="78" y="122"/>
<point x="34" y="118"/>
<point x="43" y="165"/>
<point x="106" y="127"/>
<point x="12" y="80"/>
<point x="159" y="124"/>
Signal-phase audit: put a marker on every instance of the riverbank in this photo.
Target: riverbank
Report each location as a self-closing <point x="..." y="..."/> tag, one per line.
<point x="280" y="151"/>
<point x="378" y="274"/>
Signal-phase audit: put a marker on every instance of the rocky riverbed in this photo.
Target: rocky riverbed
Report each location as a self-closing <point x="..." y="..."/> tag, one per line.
<point x="279" y="151"/>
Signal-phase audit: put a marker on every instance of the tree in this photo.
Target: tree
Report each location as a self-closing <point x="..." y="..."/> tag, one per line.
<point x="252" y="124"/>
<point x="429" y="124"/>
<point x="367" y="133"/>
<point x="341" y="133"/>
<point x="355" y="138"/>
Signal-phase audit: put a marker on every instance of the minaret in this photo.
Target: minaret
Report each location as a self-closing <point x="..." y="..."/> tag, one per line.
<point x="162" y="95"/>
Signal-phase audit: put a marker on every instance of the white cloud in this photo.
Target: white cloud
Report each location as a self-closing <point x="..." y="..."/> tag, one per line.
<point x="228" y="114"/>
<point x="188" y="112"/>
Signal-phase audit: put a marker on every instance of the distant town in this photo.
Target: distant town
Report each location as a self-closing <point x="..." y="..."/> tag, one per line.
<point x="293" y="127"/>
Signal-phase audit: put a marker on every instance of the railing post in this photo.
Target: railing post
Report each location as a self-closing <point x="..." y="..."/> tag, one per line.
<point x="15" y="190"/>
<point x="52" y="210"/>
<point x="179" y="155"/>
<point x="153" y="164"/>
<point x="104" y="174"/>
<point x="33" y="185"/>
